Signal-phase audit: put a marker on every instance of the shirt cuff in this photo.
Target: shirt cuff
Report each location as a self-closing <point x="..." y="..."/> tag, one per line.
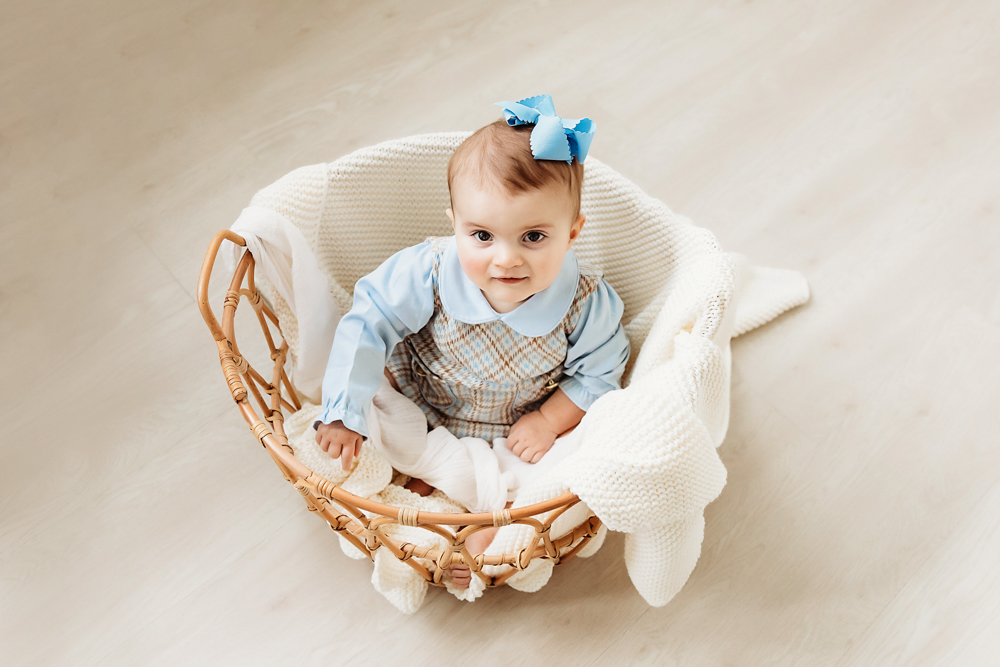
<point x="575" y="390"/>
<point x="352" y="420"/>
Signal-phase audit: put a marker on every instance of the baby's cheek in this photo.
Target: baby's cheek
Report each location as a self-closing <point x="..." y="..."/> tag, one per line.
<point x="481" y="263"/>
<point x="471" y="263"/>
<point x="477" y="271"/>
<point x="548" y="268"/>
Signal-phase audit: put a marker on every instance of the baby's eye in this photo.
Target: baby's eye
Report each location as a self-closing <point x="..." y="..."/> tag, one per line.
<point x="534" y="237"/>
<point x="483" y="236"/>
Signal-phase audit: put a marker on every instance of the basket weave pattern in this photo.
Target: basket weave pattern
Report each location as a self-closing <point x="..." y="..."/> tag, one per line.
<point x="361" y="521"/>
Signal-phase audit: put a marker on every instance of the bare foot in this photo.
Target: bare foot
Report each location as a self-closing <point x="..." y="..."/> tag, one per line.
<point x="476" y="543"/>
<point x="419" y="487"/>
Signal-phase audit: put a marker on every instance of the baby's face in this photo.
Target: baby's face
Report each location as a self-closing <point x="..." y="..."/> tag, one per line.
<point x="512" y="246"/>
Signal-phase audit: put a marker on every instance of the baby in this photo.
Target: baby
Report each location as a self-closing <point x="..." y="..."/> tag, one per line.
<point x="496" y="331"/>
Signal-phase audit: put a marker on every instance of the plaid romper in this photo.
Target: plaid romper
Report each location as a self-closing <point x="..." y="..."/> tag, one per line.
<point x="478" y="379"/>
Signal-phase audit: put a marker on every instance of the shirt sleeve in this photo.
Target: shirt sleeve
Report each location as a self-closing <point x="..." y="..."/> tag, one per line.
<point x="598" y="349"/>
<point x="391" y="302"/>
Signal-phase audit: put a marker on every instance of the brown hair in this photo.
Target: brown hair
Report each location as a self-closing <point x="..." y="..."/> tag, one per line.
<point x="500" y="154"/>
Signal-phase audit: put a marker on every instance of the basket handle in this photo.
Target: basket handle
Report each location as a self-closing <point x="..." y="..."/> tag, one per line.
<point x="206" y="275"/>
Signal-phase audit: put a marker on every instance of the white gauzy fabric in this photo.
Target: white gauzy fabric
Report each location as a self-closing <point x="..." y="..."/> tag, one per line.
<point x="287" y="263"/>
<point x="465" y="469"/>
<point x="522" y="474"/>
<point x="644" y="458"/>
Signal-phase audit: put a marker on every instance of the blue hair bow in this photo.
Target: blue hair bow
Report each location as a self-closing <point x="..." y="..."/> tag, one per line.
<point x="553" y="138"/>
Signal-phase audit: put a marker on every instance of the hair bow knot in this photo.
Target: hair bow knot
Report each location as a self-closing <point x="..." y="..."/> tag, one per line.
<point x="552" y="138"/>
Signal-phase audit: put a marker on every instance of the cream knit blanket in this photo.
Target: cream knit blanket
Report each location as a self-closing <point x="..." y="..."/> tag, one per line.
<point x="684" y="300"/>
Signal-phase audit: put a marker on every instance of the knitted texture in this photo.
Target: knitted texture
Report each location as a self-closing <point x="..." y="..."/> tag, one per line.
<point x="651" y="479"/>
<point x="765" y="293"/>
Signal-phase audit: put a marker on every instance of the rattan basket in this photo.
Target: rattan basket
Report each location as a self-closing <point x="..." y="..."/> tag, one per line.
<point x="358" y="210"/>
<point x="361" y="521"/>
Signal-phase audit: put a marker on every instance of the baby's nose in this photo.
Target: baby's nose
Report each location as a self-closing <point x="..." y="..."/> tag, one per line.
<point x="507" y="257"/>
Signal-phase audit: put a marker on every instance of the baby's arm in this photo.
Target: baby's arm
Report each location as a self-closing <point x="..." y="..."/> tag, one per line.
<point x="596" y="358"/>
<point x="391" y="302"/>
<point x="535" y="432"/>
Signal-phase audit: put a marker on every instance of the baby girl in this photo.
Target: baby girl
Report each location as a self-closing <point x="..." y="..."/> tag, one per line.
<point x="496" y="331"/>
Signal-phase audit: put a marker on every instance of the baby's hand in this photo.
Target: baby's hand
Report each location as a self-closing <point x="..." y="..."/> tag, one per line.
<point x="531" y="436"/>
<point x="337" y="440"/>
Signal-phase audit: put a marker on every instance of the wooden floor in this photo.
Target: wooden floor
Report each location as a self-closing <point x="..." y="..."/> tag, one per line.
<point x="857" y="142"/>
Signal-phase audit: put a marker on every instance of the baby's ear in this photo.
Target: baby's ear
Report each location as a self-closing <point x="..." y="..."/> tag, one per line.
<point x="576" y="227"/>
<point x="451" y="216"/>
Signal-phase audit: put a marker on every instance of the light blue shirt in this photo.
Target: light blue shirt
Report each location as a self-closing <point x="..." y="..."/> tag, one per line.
<point x="397" y="299"/>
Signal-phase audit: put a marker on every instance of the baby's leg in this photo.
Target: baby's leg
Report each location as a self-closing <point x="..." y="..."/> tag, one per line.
<point x="418" y="486"/>
<point x="398" y="427"/>
<point x="476" y="543"/>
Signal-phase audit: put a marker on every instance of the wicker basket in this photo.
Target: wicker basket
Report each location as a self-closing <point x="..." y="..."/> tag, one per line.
<point x="361" y="521"/>
<point x="666" y="270"/>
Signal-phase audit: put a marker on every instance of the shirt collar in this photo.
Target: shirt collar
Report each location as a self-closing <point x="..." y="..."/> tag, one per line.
<point x="537" y="316"/>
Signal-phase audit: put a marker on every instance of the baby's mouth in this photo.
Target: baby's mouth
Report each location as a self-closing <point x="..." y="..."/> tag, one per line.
<point x="511" y="281"/>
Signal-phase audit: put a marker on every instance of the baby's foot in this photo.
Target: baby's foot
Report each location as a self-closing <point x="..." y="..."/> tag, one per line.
<point x="461" y="574"/>
<point x="419" y="487"/>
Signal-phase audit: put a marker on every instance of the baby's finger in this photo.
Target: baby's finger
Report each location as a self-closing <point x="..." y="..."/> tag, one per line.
<point x="537" y="457"/>
<point x="333" y="449"/>
<point x="527" y="454"/>
<point x="357" y="448"/>
<point x="351" y="452"/>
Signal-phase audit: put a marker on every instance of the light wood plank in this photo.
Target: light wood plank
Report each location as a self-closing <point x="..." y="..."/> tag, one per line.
<point x="141" y="523"/>
<point x="949" y="613"/>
